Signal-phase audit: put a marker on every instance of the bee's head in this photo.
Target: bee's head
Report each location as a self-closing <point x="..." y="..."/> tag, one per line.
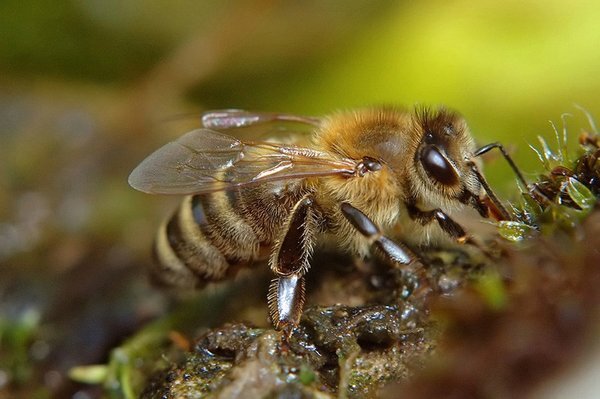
<point x="426" y="154"/>
<point x="443" y="158"/>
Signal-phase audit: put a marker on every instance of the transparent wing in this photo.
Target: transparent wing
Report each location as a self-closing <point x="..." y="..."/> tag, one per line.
<point x="233" y="118"/>
<point x="204" y="161"/>
<point x="267" y="126"/>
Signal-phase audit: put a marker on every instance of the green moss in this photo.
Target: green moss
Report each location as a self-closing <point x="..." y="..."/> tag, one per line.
<point x="16" y="338"/>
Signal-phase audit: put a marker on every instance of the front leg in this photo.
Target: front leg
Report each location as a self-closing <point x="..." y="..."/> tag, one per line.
<point x="446" y="223"/>
<point x="290" y="261"/>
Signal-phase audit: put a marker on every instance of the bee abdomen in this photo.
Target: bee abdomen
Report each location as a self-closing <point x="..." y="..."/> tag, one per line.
<point x="205" y="240"/>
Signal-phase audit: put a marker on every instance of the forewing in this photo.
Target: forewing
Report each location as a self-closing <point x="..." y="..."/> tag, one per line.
<point x="260" y="125"/>
<point x="233" y="118"/>
<point x="204" y="161"/>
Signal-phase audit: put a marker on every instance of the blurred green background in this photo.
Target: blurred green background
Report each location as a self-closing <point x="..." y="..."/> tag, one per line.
<point x="88" y="88"/>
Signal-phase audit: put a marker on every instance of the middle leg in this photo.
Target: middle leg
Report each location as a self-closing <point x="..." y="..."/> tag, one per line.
<point x="414" y="279"/>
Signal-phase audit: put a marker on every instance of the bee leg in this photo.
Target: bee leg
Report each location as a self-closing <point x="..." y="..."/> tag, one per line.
<point x="286" y="299"/>
<point x="446" y="223"/>
<point x="369" y="229"/>
<point x="290" y="261"/>
<point x="413" y="275"/>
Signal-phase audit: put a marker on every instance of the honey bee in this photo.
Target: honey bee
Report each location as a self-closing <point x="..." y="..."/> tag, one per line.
<point x="359" y="176"/>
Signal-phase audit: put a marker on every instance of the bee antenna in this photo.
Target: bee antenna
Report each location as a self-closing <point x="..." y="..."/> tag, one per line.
<point x="512" y="164"/>
<point x="490" y="193"/>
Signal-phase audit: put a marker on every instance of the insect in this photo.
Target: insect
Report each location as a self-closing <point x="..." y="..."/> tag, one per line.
<point x="357" y="177"/>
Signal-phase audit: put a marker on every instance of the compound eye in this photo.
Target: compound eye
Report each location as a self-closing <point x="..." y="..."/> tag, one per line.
<point x="437" y="166"/>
